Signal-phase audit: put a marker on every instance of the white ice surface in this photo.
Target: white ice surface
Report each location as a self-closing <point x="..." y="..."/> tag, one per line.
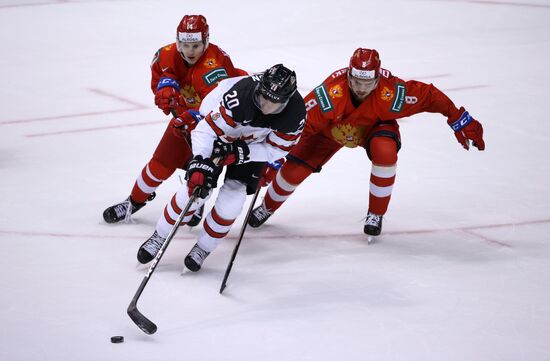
<point x="462" y="271"/>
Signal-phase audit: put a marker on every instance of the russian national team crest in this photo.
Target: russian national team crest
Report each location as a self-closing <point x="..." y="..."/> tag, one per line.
<point x="192" y="99"/>
<point x="336" y="91"/>
<point x="349" y="135"/>
<point x="386" y="94"/>
<point x="210" y="63"/>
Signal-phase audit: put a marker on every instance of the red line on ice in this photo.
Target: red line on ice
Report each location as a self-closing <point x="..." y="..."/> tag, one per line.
<point x="93" y="129"/>
<point x="469" y="230"/>
<point x="505" y="3"/>
<point x="136" y="106"/>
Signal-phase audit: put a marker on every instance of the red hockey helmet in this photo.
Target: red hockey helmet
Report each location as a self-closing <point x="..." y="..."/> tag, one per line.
<point x="193" y="28"/>
<point x="364" y="64"/>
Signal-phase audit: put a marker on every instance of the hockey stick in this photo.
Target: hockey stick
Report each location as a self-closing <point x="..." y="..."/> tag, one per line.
<point x="236" y="249"/>
<point x="139" y="319"/>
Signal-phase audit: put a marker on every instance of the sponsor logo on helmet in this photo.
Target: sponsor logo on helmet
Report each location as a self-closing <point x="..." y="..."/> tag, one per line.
<point x="189" y="37"/>
<point x="399" y="98"/>
<point x="214" y="76"/>
<point x="336" y="91"/>
<point x="210" y="63"/>
<point x="363" y="74"/>
<point x="386" y="94"/>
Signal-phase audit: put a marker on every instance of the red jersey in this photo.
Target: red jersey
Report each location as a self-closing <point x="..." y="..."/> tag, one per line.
<point x="195" y="81"/>
<point x="330" y="110"/>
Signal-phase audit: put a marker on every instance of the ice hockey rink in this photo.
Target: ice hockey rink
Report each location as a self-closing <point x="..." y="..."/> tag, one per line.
<point x="461" y="271"/>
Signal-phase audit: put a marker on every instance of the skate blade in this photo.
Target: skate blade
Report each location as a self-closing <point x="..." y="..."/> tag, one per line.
<point x="370" y="239"/>
<point x="184" y="271"/>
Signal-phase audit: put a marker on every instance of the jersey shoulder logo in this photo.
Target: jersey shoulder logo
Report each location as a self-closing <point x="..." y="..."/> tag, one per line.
<point x="214" y="75"/>
<point x="155" y="58"/>
<point x="397" y="104"/>
<point x="210" y="63"/>
<point x="336" y="91"/>
<point x="323" y="98"/>
<point x="386" y="94"/>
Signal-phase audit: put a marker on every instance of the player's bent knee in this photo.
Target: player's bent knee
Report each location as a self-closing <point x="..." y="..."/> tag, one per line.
<point x="294" y="173"/>
<point x="383" y="150"/>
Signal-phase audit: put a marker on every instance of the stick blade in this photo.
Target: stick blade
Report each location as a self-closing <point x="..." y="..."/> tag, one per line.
<point x="141" y="321"/>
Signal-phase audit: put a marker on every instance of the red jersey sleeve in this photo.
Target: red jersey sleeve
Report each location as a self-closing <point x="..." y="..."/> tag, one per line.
<point x="315" y="120"/>
<point x="162" y="66"/>
<point x="406" y="98"/>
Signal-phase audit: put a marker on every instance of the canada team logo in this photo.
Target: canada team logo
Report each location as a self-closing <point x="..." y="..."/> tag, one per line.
<point x="210" y="63"/>
<point x="336" y="91"/>
<point x="386" y="94"/>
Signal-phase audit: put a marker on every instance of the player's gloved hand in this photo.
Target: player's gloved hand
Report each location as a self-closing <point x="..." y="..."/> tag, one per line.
<point x="467" y="128"/>
<point x="167" y="96"/>
<point x="184" y="123"/>
<point x="270" y="171"/>
<point x="232" y="153"/>
<point x="201" y="173"/>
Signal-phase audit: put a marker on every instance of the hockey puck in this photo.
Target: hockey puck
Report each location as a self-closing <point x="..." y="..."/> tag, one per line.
<point x="117" y="339"/>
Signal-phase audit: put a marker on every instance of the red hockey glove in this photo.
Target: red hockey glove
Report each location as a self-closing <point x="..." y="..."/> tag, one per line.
<point x="467" y="128"/>
<point x="167" y="96"/>
<point x="201" y="173"/>
<point x="270" y="171"/>
<point x="185" y="123"/>
<point x="232" y="153"/>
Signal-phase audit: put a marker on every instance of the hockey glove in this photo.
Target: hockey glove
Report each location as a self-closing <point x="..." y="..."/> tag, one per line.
<point x="201" y="173"/>
<point x="168" y="96"/>
<point x="270" y="171"/>
<point x="231" y="153"/>
<point x="185" y="122"/>
<point x="467" y="128"/>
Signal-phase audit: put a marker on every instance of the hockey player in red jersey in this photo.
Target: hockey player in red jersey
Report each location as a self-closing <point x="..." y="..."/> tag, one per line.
<point x="183" y="73"/>
<point x="248" y="121"/>
<point x="357" y="106"/>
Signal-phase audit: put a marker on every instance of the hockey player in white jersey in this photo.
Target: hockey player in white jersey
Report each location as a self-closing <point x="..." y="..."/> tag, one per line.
<point x="249" y="122"/>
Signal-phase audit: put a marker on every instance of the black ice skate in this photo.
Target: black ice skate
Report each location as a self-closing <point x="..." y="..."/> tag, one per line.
<point x="196" y="219"/>
<point x="120" y="211"/>
<point x="373" y="224"/>
<point x="195" y="258"/>
<point x="259" y="216"/>
<point x="149" y="248"/>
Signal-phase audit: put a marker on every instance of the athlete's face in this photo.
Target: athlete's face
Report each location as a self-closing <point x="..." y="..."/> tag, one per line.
<point x="361" y="88"/>
<point x="190" y="51"/>
<point x="267" y="106"/>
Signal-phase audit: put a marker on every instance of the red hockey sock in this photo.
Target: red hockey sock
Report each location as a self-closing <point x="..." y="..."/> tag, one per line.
<point x="152" y="175"/>
<point x="286" y="181"/>
<point x="383" y="151"/>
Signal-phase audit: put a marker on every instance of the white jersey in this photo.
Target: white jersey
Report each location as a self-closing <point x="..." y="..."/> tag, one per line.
<point x="230" y="114"/>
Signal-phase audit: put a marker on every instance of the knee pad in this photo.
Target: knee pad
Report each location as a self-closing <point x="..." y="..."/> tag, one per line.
<point x="159" y="170"/>
<point x="382" y="150"/>
<point x="231" y="198"/>
<point x="294" y="173"/>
